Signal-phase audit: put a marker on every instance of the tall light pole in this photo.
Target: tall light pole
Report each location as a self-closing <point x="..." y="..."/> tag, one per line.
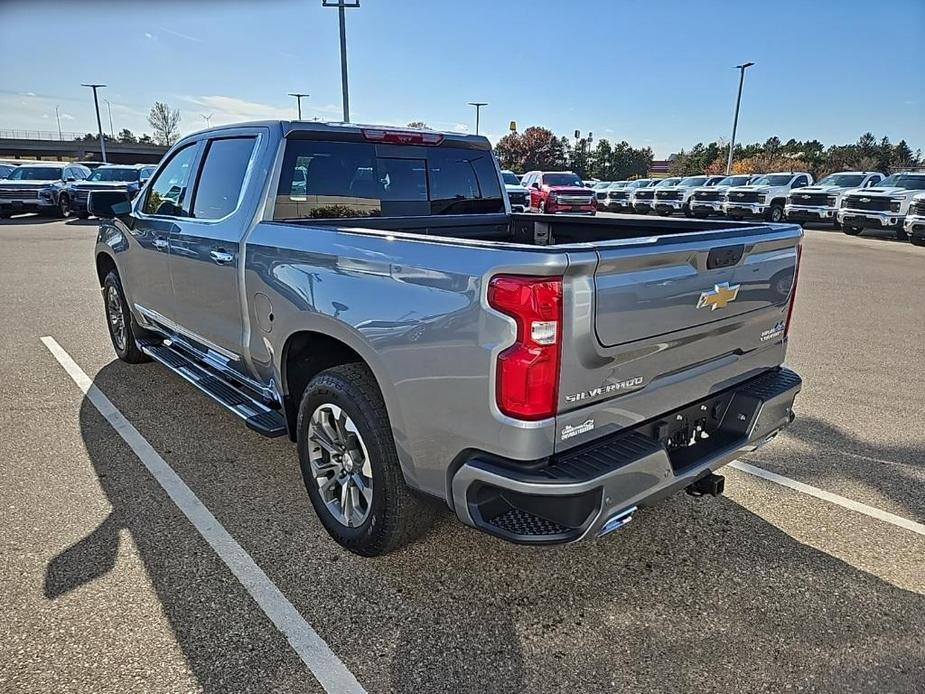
<point x="735" y="121"/>
<point x="298" y="98"/>
<point x="99" y="123"/>
<point x="478" y="110"/>
<point x="341" y="6"/>
<point x="58" y="118"/>
<point x="111" y="131"/>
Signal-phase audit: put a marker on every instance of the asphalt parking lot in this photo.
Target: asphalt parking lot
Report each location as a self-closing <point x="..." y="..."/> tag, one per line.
<point x="108" y="586"/>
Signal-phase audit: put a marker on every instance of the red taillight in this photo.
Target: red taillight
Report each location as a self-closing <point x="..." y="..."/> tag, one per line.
<point x="402" y="137"/>
<point x="527" y="374"/>
<point x="793" y="291"/>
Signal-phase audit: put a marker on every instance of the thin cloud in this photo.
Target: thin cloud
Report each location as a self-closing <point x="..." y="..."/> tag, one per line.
<point x="185" y="37"/>
<point x="149" y="35"/>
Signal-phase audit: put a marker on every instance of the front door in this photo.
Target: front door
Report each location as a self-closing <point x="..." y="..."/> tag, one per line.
<point x="165" y="204"/>
<point x="205" y="253"/>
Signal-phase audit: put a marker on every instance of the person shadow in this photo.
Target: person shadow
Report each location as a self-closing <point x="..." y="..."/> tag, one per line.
<point x="694" y="595"/>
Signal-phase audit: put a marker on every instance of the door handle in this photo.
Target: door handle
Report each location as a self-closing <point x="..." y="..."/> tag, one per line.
<point x="221" y="257"/>
<point x="160" y="244"/>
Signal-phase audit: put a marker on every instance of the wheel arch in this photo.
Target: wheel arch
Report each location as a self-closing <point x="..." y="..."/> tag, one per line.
<point x="307" y="352"/>
<point x="105" y="264"/>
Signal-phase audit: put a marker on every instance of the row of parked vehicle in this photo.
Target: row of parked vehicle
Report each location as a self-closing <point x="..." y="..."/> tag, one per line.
<point x="850" y="200"/>
<point x="63" y="189"/>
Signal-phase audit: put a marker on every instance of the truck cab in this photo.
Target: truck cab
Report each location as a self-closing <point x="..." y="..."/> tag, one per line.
<point x="678" y="197"/>
<point x="882" y="206"/>
<point x="644" y="197"/>
<point x="765" y="197"/>
<point x="559" y="192"/>
<point x="820" y="202"/>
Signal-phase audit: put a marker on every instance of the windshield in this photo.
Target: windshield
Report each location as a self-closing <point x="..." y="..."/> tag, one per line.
<point x="600" y="185"/>
<point x="665" y="183"/>
<point x="114" y="175"/>
<point x="734" y="181"/>
<point x="619" y="184"/>
<point x="773" y="180"/>
<point x="895" y="181"/>
<point x="562" y="179"/>
<point x="36" y="173"/>
<point x="641" y="183"/>
<point x="510" y="178"/>
<point x="694" y="181"/>
<point x="843" y="180"/>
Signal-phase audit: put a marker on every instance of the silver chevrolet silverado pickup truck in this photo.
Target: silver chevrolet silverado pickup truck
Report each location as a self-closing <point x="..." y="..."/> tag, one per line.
<point x="367" y="292"/>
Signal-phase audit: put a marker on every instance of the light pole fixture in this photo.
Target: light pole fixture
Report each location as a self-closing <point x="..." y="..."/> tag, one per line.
<point x="112" y="132"/>
<point x="99" y="123"/>
<point x="478" y="111"/>
<point x="341" y="6"/>
<point x="298" y="98"/>
<point x="735" y="120"/>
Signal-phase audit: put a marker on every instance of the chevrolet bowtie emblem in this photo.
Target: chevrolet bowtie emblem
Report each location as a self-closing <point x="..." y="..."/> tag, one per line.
<point x="719" y="296"/>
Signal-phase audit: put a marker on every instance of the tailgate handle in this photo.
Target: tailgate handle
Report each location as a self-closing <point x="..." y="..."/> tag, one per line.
<point x="725" y="256"/>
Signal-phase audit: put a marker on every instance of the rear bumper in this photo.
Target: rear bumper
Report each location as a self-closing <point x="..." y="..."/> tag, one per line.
<point x="871" y="219"/>
<point x="810" y="213"/>
<point x="572" y="495"/>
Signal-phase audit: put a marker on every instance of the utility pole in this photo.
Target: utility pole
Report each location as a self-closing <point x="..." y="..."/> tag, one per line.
<point x="735" y="120"/>
<point x="111" y="131"/>
<point x="342" y="6"/>
<point x="99" y="123"/>
<point x="478" y="110"/>
<point x="298" y="98"/>
<point x="207" y="119"/>
<point x="58" y="118"/>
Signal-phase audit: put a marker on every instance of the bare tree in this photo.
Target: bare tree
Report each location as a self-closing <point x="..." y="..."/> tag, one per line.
<point x="165" y="123"/>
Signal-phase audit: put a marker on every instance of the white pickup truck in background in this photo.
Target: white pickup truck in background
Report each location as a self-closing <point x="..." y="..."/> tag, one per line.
<point x="883" y="206"/>
<point x="819" y="202"/>
<point x="764" y="197"/>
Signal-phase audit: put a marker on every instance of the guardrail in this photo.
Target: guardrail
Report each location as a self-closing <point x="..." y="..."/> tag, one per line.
<point x="63" y="136"/>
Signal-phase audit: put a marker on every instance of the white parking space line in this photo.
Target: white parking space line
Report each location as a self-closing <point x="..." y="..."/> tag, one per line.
<point x="856" y="506"/>
<point x="327" y="668"/>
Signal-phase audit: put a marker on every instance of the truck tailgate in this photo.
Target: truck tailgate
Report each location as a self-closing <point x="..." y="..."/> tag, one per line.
<point x="660" y="291"/>
<point x="663" y="322"/>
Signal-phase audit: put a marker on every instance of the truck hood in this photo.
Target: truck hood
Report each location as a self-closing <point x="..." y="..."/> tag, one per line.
<point x="822" y="189"/>
<point x="515" y="189"/>
<point x="881" y="191"/>
<point x="27" y="184"/>
<point x="749" y="189"/>
<point x="103" y="185"/>
<point x="576" y="190"/>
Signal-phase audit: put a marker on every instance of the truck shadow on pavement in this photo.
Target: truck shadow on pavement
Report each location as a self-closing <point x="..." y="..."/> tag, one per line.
<point x="694" y="595"/>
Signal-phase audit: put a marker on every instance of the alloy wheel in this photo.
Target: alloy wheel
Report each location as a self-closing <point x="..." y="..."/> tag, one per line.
<point x="340" y="465"/>
<point x="116" y="317"/>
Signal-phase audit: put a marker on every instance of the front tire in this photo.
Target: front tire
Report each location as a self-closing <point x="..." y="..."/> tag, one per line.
<point x="917" y="240"/>
<point x="123" y="330"/>
<point x="901" y="235"/>
<point x="350" y="467"/>
<point x="776" y="213"/>
<point x="851" y="230"/>
<point x="63" y="210"/>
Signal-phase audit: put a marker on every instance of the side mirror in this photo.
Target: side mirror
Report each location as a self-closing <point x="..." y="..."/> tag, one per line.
<point x="535" y="184"/>
<point x="70" y="179"/>
<point x="108" y="204"/>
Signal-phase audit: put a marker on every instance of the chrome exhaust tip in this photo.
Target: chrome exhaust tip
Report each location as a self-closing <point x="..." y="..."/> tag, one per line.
<point x="617" y="521"/>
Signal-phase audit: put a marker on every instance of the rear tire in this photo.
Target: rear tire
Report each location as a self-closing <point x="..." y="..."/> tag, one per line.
<point x="123" y="330"/>
<point x="342" y="410"/>
<point x="917" y="240"/>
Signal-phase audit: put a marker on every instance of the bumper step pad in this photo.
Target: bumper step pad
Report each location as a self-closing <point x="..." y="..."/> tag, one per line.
<point x="256" y="415"/>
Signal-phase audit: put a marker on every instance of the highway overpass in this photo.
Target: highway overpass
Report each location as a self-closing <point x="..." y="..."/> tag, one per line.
<point x="35" y="145"/>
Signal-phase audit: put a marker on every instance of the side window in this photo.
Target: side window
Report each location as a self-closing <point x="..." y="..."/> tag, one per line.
<point x="67" y="173"/>
<point x="222" y="177"/>
<point x="873" y="180"/>
<point x="167" y="194"/>
<point x="80" y="174"/>
<point x="801" y="182"/>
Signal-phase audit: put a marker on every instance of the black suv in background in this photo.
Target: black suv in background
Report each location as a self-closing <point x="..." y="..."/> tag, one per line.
<point x="40" y="187"/>
<point x="113" y="177"/>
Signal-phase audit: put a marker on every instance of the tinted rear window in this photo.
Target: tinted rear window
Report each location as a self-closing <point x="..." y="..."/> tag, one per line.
<point x="326" y="180"/>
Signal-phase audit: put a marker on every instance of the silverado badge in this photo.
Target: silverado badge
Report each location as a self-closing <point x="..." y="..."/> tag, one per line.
<point x="719" y="296"/>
